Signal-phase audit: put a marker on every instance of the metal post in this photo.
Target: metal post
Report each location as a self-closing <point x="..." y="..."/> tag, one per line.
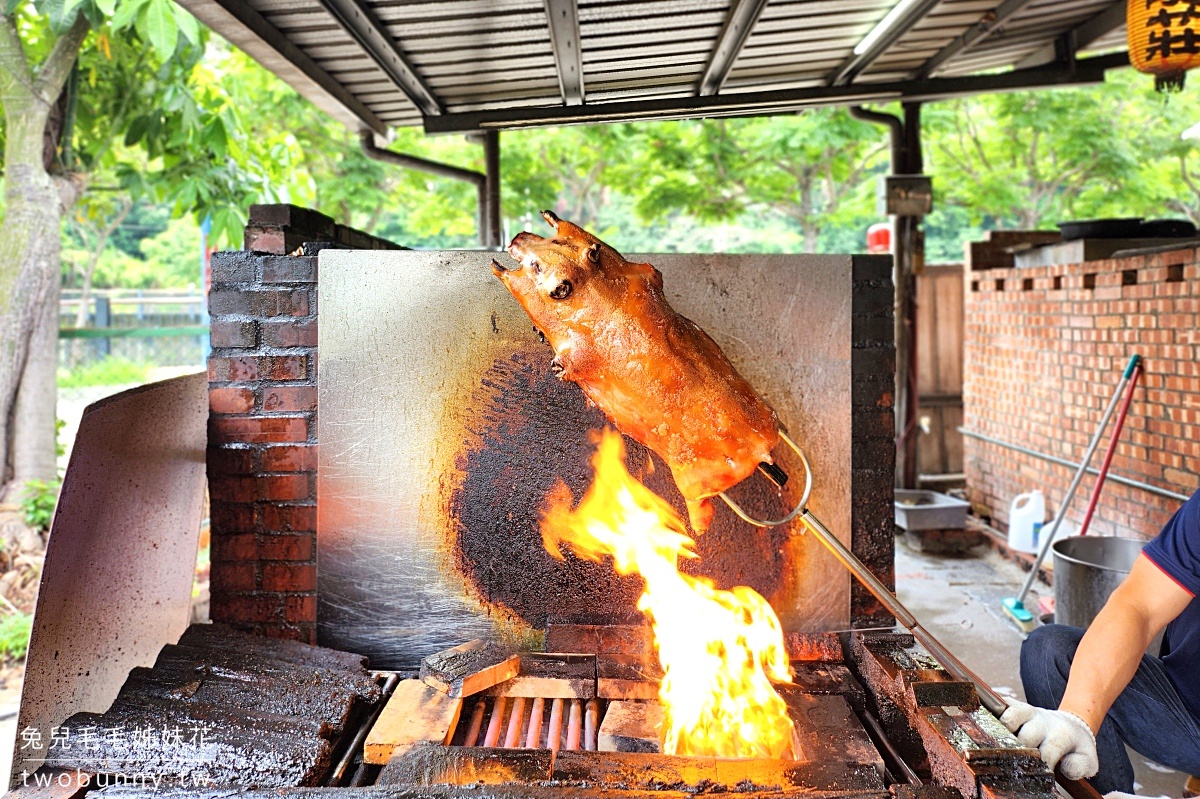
<point x="367" y="139"/>
<point x="491" y="160"/>
<point x="103" y="318"/>
<point x="908" y="260"/>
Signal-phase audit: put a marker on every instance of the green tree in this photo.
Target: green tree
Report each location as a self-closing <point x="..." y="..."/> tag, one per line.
<point x="805" y="168"/>
<point x="1028" y="159"/>
<point x="98" y="96"/>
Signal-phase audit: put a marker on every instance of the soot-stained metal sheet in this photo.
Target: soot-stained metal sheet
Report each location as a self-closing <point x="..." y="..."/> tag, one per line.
<point x="441" y="430"/>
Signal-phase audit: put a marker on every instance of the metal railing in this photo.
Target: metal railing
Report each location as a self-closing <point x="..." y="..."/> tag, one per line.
<point x="163" y="328"/>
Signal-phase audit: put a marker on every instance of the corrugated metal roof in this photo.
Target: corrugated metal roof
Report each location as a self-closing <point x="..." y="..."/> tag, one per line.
<point x="479" y="62"/>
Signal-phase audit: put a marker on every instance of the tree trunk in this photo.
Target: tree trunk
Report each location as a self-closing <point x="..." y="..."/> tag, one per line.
<point x="85" y="288"/>
<point x="34" y="435"/>
<point x="30" y="243"/>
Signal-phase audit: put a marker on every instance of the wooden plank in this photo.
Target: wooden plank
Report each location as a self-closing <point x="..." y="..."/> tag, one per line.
<point x="827" y="730"/>
<point x="829" y="678"/>
<point x="814" y="647"/>
<point x="469" y="668"/>
<point x="551" y="675"/>
<point x="627" y="677"/>
<point x="416" y="713"/>
<point x="544" y="687"/>
<point x="1010" y="238"/>
<point x="632" y="727"/>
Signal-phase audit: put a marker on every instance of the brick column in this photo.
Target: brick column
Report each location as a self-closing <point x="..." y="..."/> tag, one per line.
<point x="873" y="433"/>
<point x="262" y="442"/>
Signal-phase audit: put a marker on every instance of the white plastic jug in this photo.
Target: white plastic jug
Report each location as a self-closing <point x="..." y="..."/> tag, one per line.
<point x="1025" y="519"/>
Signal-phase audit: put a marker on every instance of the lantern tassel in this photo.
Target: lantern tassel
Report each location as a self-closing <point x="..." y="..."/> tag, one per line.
<point x="1170" y="82"/>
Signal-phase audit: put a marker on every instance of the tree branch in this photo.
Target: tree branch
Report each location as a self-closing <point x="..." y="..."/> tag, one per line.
<point x="14" y="67"/>
<point x="53" y="71"/>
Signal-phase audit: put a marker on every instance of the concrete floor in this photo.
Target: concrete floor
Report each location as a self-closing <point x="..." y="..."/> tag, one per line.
<point x="958" y="600"/>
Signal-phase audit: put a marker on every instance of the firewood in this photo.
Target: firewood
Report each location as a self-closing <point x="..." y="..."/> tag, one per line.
<point x="551" y="676"/>
<point x="632" y="727"/>
<point x="627" y="677"/>
<point x="416" y="713"/>
<point x="469" y="668"/>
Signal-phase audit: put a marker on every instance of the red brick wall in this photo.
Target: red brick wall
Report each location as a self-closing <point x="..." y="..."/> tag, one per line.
<point x="1044" y="348"/>
<point x="262" y="442"/>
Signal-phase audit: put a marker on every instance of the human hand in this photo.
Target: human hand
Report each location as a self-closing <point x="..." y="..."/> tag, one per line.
<point x="1064" y="740"/>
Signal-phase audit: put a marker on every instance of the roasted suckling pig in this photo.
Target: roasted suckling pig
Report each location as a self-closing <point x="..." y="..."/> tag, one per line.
<point x="656" y="375"/>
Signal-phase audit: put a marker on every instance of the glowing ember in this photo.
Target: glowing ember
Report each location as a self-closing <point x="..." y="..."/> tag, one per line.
<point x="719" y="650"/>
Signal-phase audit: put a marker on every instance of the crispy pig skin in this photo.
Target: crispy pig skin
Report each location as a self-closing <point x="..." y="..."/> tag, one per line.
<point x="656" y="375"/>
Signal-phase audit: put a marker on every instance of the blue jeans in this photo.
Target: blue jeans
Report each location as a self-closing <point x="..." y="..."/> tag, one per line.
<point x="1149" y="716"/>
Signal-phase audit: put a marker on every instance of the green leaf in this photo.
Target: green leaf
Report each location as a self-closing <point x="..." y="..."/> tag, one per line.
<point x="156" y="24"/>
<point x="106" y="7"/>
<point x="187" y="24"/>
<point x="126" y="13"/>
<point x="136" y="131"/>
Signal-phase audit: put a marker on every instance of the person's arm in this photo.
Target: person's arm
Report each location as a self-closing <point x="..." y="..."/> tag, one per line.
<point x="1113" y="645"/>
<point x="1104" y="663"/>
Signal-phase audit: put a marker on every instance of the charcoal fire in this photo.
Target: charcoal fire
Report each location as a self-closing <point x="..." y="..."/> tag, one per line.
<point x="720" y="650"/>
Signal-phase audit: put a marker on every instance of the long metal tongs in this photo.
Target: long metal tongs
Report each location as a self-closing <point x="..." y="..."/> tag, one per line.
<point x="995" y="704"/>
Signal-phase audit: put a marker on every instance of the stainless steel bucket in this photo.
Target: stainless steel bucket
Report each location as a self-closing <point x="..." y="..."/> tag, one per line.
<point x="1086" y="571"/>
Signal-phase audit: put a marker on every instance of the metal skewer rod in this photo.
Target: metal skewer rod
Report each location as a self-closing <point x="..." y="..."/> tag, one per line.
<point x="995" y="704"/>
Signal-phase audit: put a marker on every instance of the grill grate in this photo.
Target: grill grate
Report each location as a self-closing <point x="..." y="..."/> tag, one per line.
<point x="518" y="722"/>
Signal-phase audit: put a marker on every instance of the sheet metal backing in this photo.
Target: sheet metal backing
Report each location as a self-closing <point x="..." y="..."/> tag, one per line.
<point x="441" y="429"/>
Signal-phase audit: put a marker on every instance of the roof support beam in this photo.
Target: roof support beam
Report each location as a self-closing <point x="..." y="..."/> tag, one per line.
<point x="743" y="14"/>
<point x="1079" y="38"/>
<point x="246" y="29"/>
<point x="563" y="18"/>
<point x="903" y="17"/>
<point x="767" y="103"/>
<point x="366" y="29"/>
<point x="993" y="21"/>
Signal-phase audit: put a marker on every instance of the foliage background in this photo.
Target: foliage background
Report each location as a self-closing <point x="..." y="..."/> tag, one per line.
<point x="803" y="182"/>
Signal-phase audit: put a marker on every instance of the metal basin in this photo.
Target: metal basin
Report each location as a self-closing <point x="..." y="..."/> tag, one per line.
<point x="1086" y="571"/>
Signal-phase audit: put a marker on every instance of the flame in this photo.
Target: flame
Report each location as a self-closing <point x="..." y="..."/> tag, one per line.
<point x="719" y="650"/>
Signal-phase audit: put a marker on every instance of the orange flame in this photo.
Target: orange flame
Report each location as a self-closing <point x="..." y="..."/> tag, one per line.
<point x="719" y="650"/>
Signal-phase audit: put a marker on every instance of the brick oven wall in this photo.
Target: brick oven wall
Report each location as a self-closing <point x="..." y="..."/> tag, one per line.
<point x="262" y="442"/>
<point x="1044" y="349"/>
<point x="262" y="445"/>
<point x="873" y="454"/>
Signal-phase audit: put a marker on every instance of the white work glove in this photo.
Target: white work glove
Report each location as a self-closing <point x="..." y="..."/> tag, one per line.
<point x="1064" y="740"/>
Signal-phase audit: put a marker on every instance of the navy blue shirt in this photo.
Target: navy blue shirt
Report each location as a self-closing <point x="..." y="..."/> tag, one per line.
<point x="1176" y="551"/>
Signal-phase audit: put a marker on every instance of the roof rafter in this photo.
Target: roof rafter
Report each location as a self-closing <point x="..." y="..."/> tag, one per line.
<point x="782" y="101"/>
<point x="1080" y="37"/>
<point x="251" y="32"/>
<point x="366" y="29"/>
<point x="911" y="14"/>
<point x="975" y="34"/>
<point x="563" y="19"/>
<point x="743" y="14"/>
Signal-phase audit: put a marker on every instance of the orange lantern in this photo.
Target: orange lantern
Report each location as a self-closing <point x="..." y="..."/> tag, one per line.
<point x="1164" y="39"/>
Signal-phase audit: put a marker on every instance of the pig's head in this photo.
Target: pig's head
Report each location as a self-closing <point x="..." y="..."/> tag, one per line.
<point x="551" y="272"/>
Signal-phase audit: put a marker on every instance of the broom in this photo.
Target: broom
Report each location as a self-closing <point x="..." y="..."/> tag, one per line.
<point x="1014" y="606"/>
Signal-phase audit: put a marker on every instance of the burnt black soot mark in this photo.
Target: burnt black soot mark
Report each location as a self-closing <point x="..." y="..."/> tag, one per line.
<point x="527" y="430"/>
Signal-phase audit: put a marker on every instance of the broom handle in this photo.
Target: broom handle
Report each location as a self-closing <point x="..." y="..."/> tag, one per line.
<point x="1112" y="449"/>
<point x="1135" y="363"/>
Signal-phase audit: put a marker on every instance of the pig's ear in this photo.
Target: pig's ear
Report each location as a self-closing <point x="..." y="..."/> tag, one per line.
<point x="551" y="219"/>
<point x="648" y="273"/>
<point x="593" y="253"/>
